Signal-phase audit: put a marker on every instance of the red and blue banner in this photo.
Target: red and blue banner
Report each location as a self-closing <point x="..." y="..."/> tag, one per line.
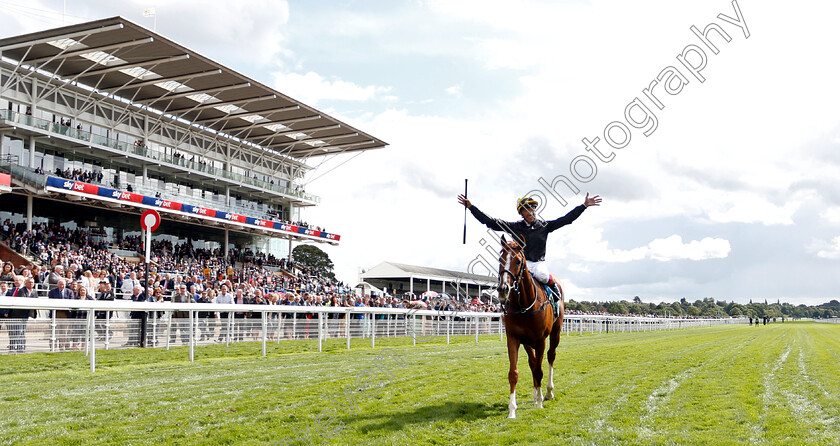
<point x="168" y="205"/>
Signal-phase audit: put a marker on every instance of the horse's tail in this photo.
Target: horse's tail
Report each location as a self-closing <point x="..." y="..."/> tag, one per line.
<point x="562" y="298"/>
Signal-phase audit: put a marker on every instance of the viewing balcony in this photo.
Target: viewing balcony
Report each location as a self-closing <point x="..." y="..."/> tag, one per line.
<point x="44" y="126"/>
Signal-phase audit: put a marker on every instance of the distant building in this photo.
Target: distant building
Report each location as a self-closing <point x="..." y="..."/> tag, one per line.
<point x="399" y="278"/>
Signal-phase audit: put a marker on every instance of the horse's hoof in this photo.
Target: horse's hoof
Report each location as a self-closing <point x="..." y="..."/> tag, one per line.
<point x="511" y="416"/>
<point x="549" y="395"/>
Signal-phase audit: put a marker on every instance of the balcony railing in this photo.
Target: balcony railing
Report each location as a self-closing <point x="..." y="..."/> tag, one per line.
<point x="152" y="155"/>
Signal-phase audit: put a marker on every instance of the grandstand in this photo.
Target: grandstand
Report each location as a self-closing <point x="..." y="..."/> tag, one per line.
<point x="102" y="120"/>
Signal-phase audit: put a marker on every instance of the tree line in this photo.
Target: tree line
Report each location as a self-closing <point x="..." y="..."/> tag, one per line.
<point x="710" y="307"/>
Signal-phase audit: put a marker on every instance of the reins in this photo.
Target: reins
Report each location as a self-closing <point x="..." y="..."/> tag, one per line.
<point x="517" y="283"/>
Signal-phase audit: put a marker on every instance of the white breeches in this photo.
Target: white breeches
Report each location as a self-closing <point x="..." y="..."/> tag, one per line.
<point x="539" y="270"/>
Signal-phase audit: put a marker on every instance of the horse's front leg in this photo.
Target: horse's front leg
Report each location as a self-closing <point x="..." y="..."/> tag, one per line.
<point x="513" y="374"/>
<point x="535" y="357"/>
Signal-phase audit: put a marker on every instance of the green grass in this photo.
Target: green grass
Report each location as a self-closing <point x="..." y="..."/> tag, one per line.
<point x="776" y="384"/>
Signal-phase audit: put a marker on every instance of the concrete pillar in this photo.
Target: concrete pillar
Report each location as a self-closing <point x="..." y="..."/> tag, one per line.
<point x="428" y="284"/>
<point x="31" y="152"/>
<point x="411" y="284"/>
<point x="226" y="241"/>
<point x="33" y="97"/>
<point x="29" y="212"/>
<point x="467" y="292"/>
<point x="227" y="195"/>
<point x="289" y="257"/>
<point x="145" y="175"/>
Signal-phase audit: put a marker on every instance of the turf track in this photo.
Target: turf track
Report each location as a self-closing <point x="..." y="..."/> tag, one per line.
<point x="775" y="384"/>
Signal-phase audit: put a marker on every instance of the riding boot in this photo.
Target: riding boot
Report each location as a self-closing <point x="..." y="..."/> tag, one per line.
<point x="555" y="295"/>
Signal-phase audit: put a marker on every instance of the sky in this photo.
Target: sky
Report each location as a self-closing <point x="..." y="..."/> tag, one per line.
<point x="717" y="156"/>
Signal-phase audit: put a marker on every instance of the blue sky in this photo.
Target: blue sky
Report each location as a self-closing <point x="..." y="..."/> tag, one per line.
<point x="734" y="195"/>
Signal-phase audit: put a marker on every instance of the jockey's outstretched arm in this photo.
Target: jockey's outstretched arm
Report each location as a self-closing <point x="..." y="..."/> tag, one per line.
<point x="492" y="223"/>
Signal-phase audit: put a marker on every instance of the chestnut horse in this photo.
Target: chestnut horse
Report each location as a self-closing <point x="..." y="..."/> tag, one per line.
<point x="528" y="319"/>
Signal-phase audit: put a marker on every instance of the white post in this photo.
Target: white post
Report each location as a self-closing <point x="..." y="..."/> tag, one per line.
<point x="192" y="337"/>
<point x="476" y="328"/>
<point x="320" y="331"/>
<point x="230" y="328"/>
<point x="154" y="328"/>
<point x="372" y="330"/>
<point x="448" y="327"/>
<point x="92" y="341"/>
<point x="107" y="329"/>
<point x="53" y="340"/>
<point x="169" y="328"/>
<point x="148" y="252"/>
<point x="264" y="331"/>
<point x="347" y="328"/>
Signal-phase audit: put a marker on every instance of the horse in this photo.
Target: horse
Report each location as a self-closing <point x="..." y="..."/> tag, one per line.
<point x="528" y="319"/>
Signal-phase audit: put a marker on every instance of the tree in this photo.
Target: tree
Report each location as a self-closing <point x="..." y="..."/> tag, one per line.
<point x="314" y="259"/>
<point x="617" y="308"/>
<point x="692" y="311"/>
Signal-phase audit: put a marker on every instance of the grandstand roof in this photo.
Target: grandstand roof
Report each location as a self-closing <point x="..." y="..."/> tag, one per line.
<point x="117" y="57"/>
<point x="401" y="270"/>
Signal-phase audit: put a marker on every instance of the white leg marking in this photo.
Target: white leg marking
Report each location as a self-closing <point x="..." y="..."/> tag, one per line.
<point x="512" y="406"/>
<point x="538" y="398"/>
<point x="549" y="388"/>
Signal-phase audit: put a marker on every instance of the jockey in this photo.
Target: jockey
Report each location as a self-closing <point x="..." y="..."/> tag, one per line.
<point x="535" y="232"/>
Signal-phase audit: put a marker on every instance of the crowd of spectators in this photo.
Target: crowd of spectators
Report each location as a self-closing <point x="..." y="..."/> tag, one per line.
<point x="205" y="275"/>
<point x="77" y="175"/>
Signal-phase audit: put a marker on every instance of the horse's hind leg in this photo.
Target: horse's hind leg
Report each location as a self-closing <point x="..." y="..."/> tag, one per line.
<point x="553" y="342"/>
<point x="513" y="374"/>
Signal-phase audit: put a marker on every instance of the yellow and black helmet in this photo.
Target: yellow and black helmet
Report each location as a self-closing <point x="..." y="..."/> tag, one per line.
<point x="526" y="202"/>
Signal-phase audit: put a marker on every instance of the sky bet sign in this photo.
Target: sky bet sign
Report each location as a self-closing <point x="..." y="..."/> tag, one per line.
<point x="167" y="205"/>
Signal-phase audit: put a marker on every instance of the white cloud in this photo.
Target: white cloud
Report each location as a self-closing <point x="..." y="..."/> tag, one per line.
<point x="312" y="88"/>
<point x="750" y="208"/>
<point x="673" y="248"/>
<point x="455" y="90"/>
<point x="831" y="215"/>
<point x="587" y="244"/>
<point x="826" y="249"/>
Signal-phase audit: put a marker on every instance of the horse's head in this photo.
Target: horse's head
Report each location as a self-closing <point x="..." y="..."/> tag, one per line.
<point x="511" y="264"/>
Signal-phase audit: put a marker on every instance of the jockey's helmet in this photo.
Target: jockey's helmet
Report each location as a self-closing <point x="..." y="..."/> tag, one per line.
<point x="526" y="202"/>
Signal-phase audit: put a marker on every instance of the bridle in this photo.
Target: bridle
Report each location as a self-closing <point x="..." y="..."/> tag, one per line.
<point x="503" y="270"/>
